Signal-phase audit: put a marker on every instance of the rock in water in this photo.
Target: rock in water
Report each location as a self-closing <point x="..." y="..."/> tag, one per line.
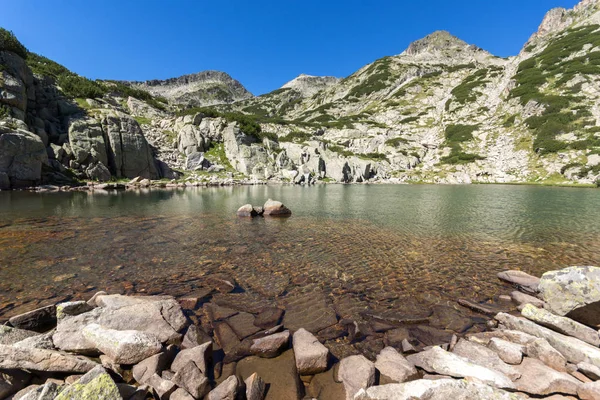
<point x="227" y="390"/>
<point x="255" y="387"/>
<point x="356" y="373"/>
<point x="573" y="292"/>
<point x="246" y="211"/>
<point x="311" y="355"/>
<point x="393" y="367"/>
<point x="276" y="208"/>
<point x="521" y="279"/>
<point x="123" y="347"/>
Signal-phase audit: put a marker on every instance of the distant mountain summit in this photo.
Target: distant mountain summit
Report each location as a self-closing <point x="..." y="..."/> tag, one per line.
<point x="443" y="47"/>
<point x="200" y="89"/>
<point x="309" y="85"/>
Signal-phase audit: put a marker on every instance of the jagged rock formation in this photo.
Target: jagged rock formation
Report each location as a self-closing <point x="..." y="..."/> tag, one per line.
<point x="201" y="89"/>
<point x="442" y="111"/>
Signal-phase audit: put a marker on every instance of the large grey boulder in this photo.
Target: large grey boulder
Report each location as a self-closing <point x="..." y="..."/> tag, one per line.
<point x="440" y="389"/>
<point x="47" y="391"/>
<point x="160" y="316"/>
<point x="86" y="141"/>
<point x="22" y="154"/>
<point x="42" y="360"/>
<point x="122" y="347"/>
<point x="311" y="355"/>
<point x="355" y="373"/>
<point x="438" y="361"/>
<point x="573" y="292"/>
<point x="242" y="151"/>
<point x="561" y="324"/>
<point x="541" y="349"/>
<point x="196" y="162"/>
<point x="17" y="81"/>
<point x="509" y="352"/>
<point x="190" y="140"/>
<point x="393" y="367"/>
<point x="200" y="355"/>
<point x="276" y="208"/>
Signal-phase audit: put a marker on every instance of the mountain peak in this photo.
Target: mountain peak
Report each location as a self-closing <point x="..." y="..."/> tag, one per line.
<point x="308" y="85"/>
<point x="436" y="41"/>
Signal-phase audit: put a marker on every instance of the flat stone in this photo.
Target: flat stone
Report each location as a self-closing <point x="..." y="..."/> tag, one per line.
<point x="560" y="324"/>
<point x="521" y="279"/>
<point x="227" y="390"/>
<point x="181" y="394"/>
<point x="393" y="367"/>
<point x="541" y="349"/>
<point x="573" y="349"/>
<point x="589" y="370"/>
<point x="478" y="307"/>
<point x="270" y="346"/>
<point x="192" y="379"/>
<point x="268" y="317"/>
<point x="573" y="292"/>
<point x="310" y="311"/>
<point x="439" y="361"/>
<point x="10" y="335"/>
<point x="589" y="391"/>
<point x="523" y="298"/>
<point x="156" y="364"/>
<point x="217" y="313"/>
<point x="439" y="389"/>
<point x="311" y="356"/>
<point x="226" y="337"/>
<point x="481" y="355"/>
<point x="72" y="308"/>
<point x="539" y="379"/>
<point x="514" y="336"/>
<point x="42" y="360"/>
<point x="355" y="373"/>
<point x="200" y="355"/>
<point x="123" y="347"/>
<point x="38" y="320"/>
<point x="255" y="387"/>
<point x="243" y="325"/>
<point x="163" y="387"/>
<point x="509" y="352"/>
<point x="279" y="374"/>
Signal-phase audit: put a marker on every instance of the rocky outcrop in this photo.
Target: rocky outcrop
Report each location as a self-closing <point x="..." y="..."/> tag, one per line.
<point x="308" y="85"/>
<point x="22" y="155"/>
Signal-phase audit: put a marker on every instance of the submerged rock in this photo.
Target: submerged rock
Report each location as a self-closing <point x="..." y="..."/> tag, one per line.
<point x="311" y="355"/>
<point x="521" y="279"/>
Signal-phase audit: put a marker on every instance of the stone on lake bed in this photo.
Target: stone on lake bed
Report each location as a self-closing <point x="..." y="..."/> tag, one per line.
<point x="355" y="373"/>
<point x="311" y="355"/>
<point x="521" y="279"/>
<point x="270" y="346"/>
<point x="276" y="208"/>
<point x="122" y="347"/>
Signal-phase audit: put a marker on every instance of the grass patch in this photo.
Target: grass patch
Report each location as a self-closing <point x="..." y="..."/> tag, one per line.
<point x="9" y="42"/>
<point x="143" y="120"/>
<point x="455" y="136"/>
<point x="379" y="74"/>
<point x="295" y="137"/>
<point x="395" y="142"/>
<point x="216" y="154"/>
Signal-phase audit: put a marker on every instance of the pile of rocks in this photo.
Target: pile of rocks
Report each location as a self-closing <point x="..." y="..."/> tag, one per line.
<point x="272" y="208"/>
<point x="142" y="347"/>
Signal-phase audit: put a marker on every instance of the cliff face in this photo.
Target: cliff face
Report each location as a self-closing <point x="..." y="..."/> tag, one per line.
<point x="442" y="111"/>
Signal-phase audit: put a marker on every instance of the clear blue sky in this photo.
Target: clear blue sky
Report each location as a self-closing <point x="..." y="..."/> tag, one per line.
<point x="263" y="44"/>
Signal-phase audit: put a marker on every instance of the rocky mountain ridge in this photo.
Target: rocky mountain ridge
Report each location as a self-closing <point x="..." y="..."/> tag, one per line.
<point x="442" y="111"/>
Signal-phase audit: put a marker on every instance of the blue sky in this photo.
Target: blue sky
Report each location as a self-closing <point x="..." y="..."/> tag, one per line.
<point x="263" y="44"/>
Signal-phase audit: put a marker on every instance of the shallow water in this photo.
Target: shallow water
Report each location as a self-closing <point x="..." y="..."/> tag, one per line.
<point x="384" y="249"/>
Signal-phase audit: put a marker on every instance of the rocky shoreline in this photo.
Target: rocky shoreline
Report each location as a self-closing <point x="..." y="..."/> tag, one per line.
<point x="141" y="347"/>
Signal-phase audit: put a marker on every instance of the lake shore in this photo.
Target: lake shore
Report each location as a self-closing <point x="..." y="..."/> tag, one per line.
<point x="129" y="347"/>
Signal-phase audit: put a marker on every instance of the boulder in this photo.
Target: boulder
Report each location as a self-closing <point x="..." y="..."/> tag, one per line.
<point x="539" y="379"/>
<point x="436" y="360"/>
<point x="193" y="337"/>
<point x="192" y="379"/>
<point x="200" y="355"/>
<point x="355" y="373"/>
<point x="37" y="320"/>
<point x="275" y="208"/>
<point x="520" y="279"/>
<point x="72" y="308"/>
<point x="439" y="389"/>
<point x="311" y="356"/>
<point x="255" y="387"/>
<point x="86" y="140"/>
<point x="22" y="154"/>
<point x="163" y="387"/>
<point x="510" y="353"/>
<point x="160" y="316"/>
<point x="156" y="364"/>
<point x="96" y="384"/>
<point x="123" y="347"/>
<point x="246" y="211"/>
<point x="270" y="346"/>
<point x="481" y="355"/>
<point x="42" y="360"/>
<point x="227" y="390"/>
<point x="43" y="341"/>
<point x="573" y="292"/>
<point x="197" y="162"/>
<point x="523" y="298"/>
<point x="560" y="324"/>
<point x="393" y="367"/>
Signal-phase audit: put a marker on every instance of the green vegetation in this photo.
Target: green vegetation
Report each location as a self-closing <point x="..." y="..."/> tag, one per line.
<point x="9" y="42"/>
<point x="395" y="142"/>
<point x="509" y="121"/>
<point x="216" y="153"/>
<point x="553" y="68"/>
<point x="409" y="120"/>
<point x="379" y="73"/>
<point x="465" y="92"/>
<point x="247" y="123"/>
<point x="143" y="120"/>
<point x="455" y="136"/>
<point x="296" y="136"/>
